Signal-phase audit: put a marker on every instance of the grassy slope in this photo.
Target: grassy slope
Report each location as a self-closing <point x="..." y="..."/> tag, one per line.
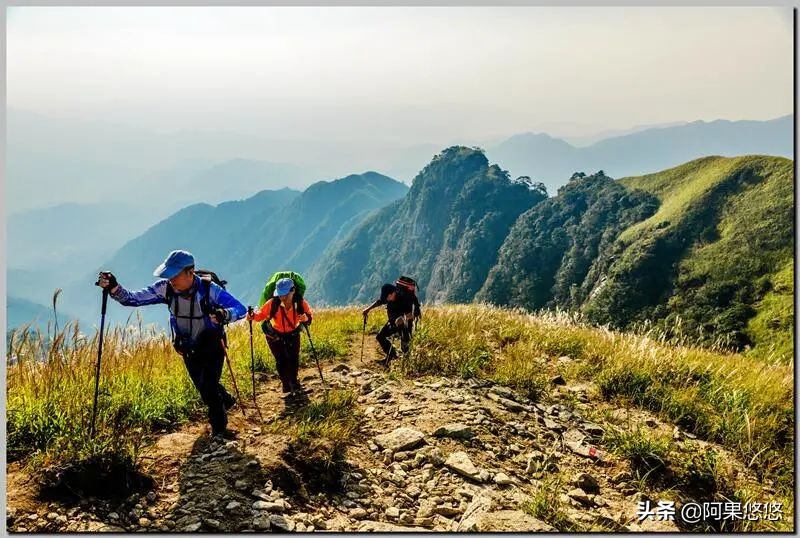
<point x="752" y="238"/>
<point x="677" y="189"/>
<point x="737" y="401"/>
<point x="144" y="385"/>
<point x="772" y="328"/>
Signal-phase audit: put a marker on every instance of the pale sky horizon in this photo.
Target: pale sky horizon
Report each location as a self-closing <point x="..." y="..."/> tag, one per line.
<point x="419" y="74"/>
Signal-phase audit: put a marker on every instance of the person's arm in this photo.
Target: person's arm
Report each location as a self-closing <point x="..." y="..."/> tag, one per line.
<point x="153" y="294"/>
<point x="417" y="308"/>
<point x="262" y="314"/>
<point x="309" y="316"/>
<point x="373" y="305"/>
<point x="222" y="298"/>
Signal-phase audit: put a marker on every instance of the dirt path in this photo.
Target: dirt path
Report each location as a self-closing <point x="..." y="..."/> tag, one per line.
<point x="432" y="454"/>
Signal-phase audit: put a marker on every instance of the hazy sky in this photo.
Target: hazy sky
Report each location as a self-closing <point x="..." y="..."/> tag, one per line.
<point x="414" y="74"/>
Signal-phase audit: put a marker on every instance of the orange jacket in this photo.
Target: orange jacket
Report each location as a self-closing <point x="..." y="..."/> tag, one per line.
<point x="285" y="321"/>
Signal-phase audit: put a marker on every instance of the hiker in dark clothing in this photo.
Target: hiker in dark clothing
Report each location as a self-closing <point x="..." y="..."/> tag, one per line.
<point x="199" y="308"/>
<point x="401" y="308"/>
<point x="283" y="316"/>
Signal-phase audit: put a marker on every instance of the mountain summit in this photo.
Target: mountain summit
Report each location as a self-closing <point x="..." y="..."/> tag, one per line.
<point x="445" y="232"/>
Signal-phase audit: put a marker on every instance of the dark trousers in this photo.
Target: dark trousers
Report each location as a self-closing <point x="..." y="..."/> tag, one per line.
<point x="286" y="350"/>
<point x="204" y="364"/>
<point x="389" y="330"/>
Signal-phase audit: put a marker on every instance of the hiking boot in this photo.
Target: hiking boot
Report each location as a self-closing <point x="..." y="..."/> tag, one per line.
<point x="292" y="397"/>
<point x="297" y="388"/>
<point x="223" y="436"/>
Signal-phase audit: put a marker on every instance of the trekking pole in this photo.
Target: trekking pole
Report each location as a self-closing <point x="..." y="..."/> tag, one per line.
<point x="233" y="378"/>
<point x="363" y="334"/>
<point x="253" y="364"/>
<point x="99" y="355"/>
<point x="314" y="351"/>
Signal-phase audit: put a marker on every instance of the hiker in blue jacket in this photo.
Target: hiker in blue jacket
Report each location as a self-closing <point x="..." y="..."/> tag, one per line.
<point x="199" y="309"/>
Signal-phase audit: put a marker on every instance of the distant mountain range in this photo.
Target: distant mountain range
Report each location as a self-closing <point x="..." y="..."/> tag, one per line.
<point x="20" y="312"/>
<point x="244" y="241"/>
<point x="65" y="240"/>
<point x="53" y="161"/>
<point x="552" y="161"/>
<point x="588" y="140"/>
<point x="69" y="236"/>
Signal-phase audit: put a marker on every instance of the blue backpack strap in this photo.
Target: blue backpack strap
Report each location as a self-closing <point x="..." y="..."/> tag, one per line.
<point x="205" y="304"/>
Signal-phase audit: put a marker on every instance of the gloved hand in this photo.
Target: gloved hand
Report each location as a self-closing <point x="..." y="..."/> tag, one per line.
<point x="303" y="319"/>
<point x="250" y="313"/>
<point x="219" y="315"/>
<point x="106" y="280"/>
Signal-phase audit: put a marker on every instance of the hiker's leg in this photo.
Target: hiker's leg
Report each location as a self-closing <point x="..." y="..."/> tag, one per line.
<point x="278" y="350"/>
<point x="227" y="397"/>
<point x="293" y="348"/>
<point x="210" y="354"/>
<point x="383" y="338"/>
<point x="194" y="369"/>
<point x="405" y="338"/>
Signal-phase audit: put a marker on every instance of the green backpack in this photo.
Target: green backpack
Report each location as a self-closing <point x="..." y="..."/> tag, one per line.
<point x="269" y="288"/>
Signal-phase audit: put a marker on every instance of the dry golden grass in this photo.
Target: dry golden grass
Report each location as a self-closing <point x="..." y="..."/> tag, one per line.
<point x="740" y="402"/>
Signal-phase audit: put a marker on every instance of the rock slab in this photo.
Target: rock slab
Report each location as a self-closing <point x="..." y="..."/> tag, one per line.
<point x="461" y="464"/>
<point x="455" y="431"/>
<point x="400" y="439"/>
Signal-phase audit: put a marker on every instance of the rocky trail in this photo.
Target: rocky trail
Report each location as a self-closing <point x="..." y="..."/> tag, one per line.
<point x="433" y="454"/>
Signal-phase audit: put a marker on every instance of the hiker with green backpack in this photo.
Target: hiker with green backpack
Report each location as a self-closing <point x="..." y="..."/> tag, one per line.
<point x="284" y="313"/>
<point x="199" y="309"/>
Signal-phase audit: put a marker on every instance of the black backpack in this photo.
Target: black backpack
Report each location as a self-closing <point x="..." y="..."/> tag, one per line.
<point x="406" y="283"/>
<point x="408" y="286"/>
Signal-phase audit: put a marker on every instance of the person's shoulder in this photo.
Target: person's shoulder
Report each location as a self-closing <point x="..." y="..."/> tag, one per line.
<point x="160" y="285"/>
<point x="212" y="285"/>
